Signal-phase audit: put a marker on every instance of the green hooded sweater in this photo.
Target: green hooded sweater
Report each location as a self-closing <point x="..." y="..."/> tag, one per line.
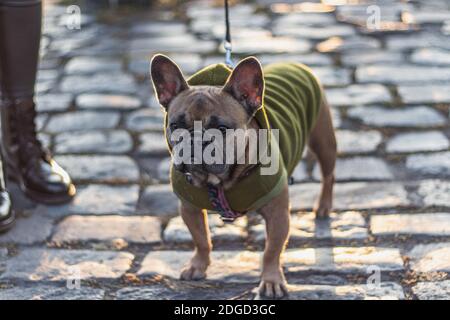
<point x="291" y="103"/>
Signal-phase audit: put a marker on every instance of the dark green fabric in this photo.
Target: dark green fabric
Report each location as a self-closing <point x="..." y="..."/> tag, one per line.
<point x="292" y="99"/>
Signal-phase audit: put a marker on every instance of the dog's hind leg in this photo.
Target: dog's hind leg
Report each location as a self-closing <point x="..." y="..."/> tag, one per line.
<point x="276" y="215"/>
<point x="197" y="223"/>
<point x="322" y="142"/>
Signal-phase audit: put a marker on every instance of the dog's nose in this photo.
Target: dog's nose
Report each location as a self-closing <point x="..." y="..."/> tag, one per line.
<point x="216" y="168"/>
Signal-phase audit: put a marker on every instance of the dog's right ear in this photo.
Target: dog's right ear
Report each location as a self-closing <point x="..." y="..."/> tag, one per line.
<point x="168" y="80"/>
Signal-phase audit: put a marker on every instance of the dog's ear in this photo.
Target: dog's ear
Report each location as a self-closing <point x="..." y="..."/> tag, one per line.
<point x="168" y="80"/>
<point x="246" y="84"/>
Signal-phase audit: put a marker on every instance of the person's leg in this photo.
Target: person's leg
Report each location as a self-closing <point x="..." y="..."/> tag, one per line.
<point x="7" y="217"/>
<point x="38" y="175"/>
<point x="20" y="34"/>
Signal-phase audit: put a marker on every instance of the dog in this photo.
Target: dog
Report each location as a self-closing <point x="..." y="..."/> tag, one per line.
<point x="246" y="97"/>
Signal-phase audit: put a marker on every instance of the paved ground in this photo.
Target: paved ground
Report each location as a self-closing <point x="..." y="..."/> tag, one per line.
<point x="389" y="88"/>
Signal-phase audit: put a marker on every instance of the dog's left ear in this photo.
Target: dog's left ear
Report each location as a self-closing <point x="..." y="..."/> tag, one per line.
<point x="168" y="80"/>
<point x="246" y="84"/>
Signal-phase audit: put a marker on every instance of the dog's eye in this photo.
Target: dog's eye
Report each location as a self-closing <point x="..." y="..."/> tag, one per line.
<point x="173" y="126"/>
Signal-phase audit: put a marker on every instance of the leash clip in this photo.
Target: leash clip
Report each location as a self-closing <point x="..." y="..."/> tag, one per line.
<point x="228" y="49"/>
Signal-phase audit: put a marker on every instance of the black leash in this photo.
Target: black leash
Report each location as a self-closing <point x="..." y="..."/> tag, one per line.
<point x="227" y="42"/>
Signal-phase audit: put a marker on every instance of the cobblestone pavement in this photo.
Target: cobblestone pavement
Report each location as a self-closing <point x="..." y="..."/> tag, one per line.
<point x="390" y="92"/>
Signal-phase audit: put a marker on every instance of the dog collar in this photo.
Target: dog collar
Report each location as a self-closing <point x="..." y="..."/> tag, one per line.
<point x="220" y="204"/>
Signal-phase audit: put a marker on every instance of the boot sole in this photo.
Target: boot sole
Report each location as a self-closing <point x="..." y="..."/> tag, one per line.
<point x="8" y="223"/>
<point x="44" y="198"/>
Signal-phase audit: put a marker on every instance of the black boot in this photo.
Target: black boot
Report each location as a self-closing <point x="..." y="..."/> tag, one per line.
<point x="38" y="175"/>
<point x="27" y="162"/>
<point x="7" y="217"/>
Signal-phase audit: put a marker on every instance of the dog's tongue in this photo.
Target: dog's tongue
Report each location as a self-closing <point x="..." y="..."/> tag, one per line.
<point x="221" y="205"/>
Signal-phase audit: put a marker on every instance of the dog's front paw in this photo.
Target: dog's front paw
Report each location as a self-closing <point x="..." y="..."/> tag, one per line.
<point x="195" y="269"/>
<point x="192" y="273"/>
<point x="273" y="285"/>
<point x="323" y="210"/>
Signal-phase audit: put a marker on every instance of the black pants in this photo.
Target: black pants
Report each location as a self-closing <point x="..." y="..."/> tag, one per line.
<point x="20" y="33"/>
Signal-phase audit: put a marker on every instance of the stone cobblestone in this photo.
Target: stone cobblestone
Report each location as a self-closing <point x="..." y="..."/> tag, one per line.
<point x="430" y="16"/>
<point x="332" y="76"/>
<point x="105" y="101"/>
<point x="402" y="74"/>
<point x="3" y="258"/>
<point x="336" y="44"/>
<point x="29" y="230"/>
<point x="315" y="33"/>
<point x="100" y="82"/>
<point x="432" y="290"/>
<point x="100" y="199"/>
<point x="54" y="102"/>
<point x="270" y="44"/>
<point x="179" y="43"/>
<point x="114" y="141"/>
<point x="176" y="230"/>
<point x="45" y="292"/>
<point x="58" y="265"/>
<point x="430" y="257"/>
<point x="314" y="59"/>
<point x="82" y="120"/>
<point x="342" y="259"/>
<point x="418" y="141"/>
<point x="388" y="291"/>
<point x="424" y="94"/>
<point x="372" y="57"/>
<point x="345" y="225"/>
<point x="336" y="118"/>
<point x="358" y="94"/>
<point x="359" y="168"/>
<point x="431" y="56"/>
<point x="108" y="169"/>
<point x="300" y="173"/>
<point x="435" y="192"/>
<point x="243" y="266"/>
<point x="388" y="89"/>
<point x="163" y="169"/>
<point x="433" y="224"/>
<point x="108" y="228"/>
<point x="159" y="292"/>
<point x="91" y="65"/>
<point x="145" y="119"/>
<point x="158" y="200"/>
<point x="41" y="120"/>
<point x="352" y="196"/>
<point x="416" y="41"/>
<point x="153" y="143"/>
<point x="350" y="142"/>
<point x="421" y="116"/>
<point x="433" y="163"/>
<point x="305" y="18"/>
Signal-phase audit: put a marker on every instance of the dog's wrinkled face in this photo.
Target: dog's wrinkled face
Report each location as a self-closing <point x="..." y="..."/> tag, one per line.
<point x="198" y="109"/>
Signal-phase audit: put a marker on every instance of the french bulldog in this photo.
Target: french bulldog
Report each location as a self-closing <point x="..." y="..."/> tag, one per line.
<point x="235" y="103"/>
